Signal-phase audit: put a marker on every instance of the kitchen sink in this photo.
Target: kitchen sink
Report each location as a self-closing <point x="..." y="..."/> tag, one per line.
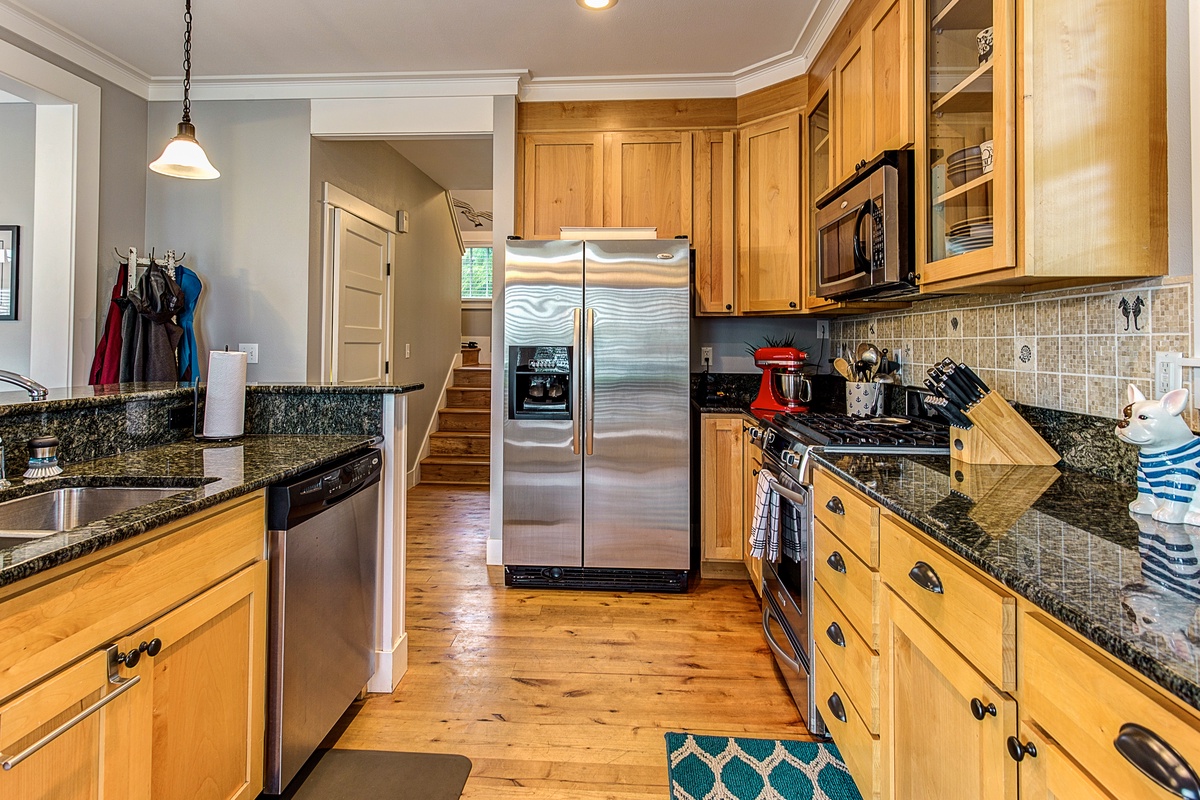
<point x="28" y="518"/>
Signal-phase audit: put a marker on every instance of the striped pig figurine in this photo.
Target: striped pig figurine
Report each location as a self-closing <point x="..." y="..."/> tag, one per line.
<point x="1168" y="472"/>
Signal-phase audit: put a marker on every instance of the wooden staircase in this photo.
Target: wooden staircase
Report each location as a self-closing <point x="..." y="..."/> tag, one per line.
<point x="460" y="450"/>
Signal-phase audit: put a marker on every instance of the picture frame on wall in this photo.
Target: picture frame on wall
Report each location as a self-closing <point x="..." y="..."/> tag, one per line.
<point x="10" y="251"/>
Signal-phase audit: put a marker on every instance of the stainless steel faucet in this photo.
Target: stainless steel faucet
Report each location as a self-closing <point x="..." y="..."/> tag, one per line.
<point x="35" y="389"/>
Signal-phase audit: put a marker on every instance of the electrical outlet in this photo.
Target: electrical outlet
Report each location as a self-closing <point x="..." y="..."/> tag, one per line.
<point x="407" y="350"/>
<point x="706" y="356"/>
<point x="822" y="329"/>
<point x="1168" y="372"/>
<point x="251" y="351"/>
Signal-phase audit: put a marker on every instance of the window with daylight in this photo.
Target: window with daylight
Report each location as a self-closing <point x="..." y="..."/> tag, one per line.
<point x="477" y="274"/>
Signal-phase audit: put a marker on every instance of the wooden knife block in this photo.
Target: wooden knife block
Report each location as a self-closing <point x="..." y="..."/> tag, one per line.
<point x="1000" y="436"/>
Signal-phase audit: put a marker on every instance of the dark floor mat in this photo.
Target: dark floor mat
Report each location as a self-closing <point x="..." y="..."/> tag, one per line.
<point x="357" y="774"/>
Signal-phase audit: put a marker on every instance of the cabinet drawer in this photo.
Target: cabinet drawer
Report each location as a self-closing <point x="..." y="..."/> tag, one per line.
<point x="1051" y="775"/>
<point x="855" y="664"/>
<point x="860" y="750"/>
<point x="61" y="615"/>
<point x="851" y="517"/>
<point x="1083" y="700"/>
<point x="851" y="584"/>
<point x="979" y="621"/>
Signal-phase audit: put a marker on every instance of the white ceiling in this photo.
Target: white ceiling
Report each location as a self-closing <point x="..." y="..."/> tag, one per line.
<point x="453" y="163"/>
<point x="550" y="39"/>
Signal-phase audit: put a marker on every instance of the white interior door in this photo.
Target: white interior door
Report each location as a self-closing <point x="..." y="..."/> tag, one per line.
<point x="362" y="300"/>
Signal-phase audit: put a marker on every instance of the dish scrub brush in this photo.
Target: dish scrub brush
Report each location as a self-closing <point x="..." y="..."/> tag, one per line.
<point x="43" y="458"/>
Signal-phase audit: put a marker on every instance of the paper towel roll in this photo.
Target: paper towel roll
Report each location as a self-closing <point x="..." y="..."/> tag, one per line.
<point x="225" y="405"/>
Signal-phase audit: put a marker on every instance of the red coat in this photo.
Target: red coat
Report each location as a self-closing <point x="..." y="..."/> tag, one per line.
<point x="106" y="366"/>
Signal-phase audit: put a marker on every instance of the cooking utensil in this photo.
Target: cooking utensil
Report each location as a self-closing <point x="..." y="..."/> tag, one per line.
<point x="869" y="355"/>
<point x="843" y="368"/>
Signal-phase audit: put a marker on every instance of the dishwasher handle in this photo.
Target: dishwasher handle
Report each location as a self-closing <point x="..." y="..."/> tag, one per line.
<point x="292" y="503"/>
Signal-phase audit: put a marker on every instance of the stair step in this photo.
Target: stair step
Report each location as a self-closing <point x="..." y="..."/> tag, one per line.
<point x="464" y="419"/>
<point x="468" y="397"/>
<point x="450" y="443"/>
<point x="455" y="470"/>
<point x="473" y="376"/>
<point x="470" y="356"/>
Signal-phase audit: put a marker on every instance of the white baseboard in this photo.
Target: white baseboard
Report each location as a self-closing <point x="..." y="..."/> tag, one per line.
<point x="414" y="475"/>
<point x="495" y="552"/>
<point x="389" y="667"/>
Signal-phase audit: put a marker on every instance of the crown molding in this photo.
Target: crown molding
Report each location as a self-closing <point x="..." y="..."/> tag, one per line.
<point x="333" y="87"/>
<point x="78" y="51"/>
<point x="815" y="32"/>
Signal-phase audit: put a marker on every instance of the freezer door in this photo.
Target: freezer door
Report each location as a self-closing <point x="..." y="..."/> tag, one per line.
<point x="543" y="461"/>
<point x="636" y="406"/>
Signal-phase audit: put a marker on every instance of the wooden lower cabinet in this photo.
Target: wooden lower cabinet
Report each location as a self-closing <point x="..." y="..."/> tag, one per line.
<point x="721" y="479"/>
<point x="936" y="747"/>
<point x="1050" y="774"/>
<point x="208" y="689"/>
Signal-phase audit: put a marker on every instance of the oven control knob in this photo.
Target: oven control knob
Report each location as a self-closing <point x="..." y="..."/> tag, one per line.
<point x="756" y="434"/>
<point x="770" y="436"/>
<point x="791" y="459"/>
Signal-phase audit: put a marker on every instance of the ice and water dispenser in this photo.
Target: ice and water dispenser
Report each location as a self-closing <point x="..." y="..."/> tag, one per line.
<point x="539" y="382"/>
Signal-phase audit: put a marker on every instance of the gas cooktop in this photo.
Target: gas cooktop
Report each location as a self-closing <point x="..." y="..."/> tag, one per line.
<point x="841" y="433"/>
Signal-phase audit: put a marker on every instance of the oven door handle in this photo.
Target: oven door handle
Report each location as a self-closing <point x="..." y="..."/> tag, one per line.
<point x="786" y="493"/>
<point x="787" y="660"/>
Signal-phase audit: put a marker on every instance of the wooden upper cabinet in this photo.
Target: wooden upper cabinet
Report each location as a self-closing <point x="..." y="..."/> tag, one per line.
<point x="648" y="182"/>
<point x="769" y="215"/>
<point x="890" y="41"/>
<point x="562" y="183"/>
<point x="713" y="223"/>
<point x="852" y="108"/>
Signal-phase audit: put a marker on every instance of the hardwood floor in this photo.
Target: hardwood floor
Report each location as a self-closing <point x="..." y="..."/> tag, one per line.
<point x="563" y="694"/>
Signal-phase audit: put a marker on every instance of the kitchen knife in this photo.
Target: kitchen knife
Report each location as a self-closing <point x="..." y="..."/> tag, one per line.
<point x="948" y="412"/>
<point x="955" y="395"/>
<point x="965" y="386"/>
<point x="975" y="379"/>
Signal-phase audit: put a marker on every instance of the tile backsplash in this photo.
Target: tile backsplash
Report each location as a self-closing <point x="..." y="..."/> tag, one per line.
<point x="1070" y="350"/>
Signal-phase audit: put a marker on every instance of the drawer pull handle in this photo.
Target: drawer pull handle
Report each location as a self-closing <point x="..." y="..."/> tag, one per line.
<point x="979" y="710"/>
<point x="834" y="632"/>
<point x="836" y="506"/>
<point x="837" y="707"/>
<point x="923" y="575"/>
<point x="1157" y="760"/>
<point x="125" y="686"/>
<point x="1018" y="751"/>
<point x="836" y="562"/>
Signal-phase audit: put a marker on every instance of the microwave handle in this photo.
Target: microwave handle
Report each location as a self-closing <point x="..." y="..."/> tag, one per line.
<point x="861" y="262"/>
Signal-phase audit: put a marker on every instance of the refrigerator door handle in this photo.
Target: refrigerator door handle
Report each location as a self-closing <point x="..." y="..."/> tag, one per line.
<point x="590" y="370"/>
<point x="577" y="342"/>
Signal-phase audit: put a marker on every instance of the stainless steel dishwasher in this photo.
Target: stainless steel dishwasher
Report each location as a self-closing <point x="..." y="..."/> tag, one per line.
<point x="323" y="541"/>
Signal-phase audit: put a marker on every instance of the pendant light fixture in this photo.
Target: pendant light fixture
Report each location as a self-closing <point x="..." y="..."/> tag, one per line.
<point x="183" y="156"/>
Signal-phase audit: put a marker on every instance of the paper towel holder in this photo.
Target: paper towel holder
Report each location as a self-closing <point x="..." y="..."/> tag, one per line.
<point x="197" y="429"/>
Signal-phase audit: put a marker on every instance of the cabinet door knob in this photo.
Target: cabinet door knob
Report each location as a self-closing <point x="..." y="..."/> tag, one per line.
<point x="1018" y="751"/>
<point x="979" y="710"/>
<point x="837" y="707"/>
<point x="834" y="632"/>
<point x="923" y="575"/>
<point x="152" y="647"/>
<point x="836" y="562"/>
<point x="729" y="306"/>
<point x="1157" y="760"/>
<point x="792" y="304"/>
<point x="836" y="506"/>
<point x="130" y="659"/>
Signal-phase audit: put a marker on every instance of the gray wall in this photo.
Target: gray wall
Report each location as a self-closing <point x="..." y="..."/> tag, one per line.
<point x="246" y="233"/>
<point x="122" y="167"/>
<point x="728" y="337"/>
<point x="17" y="126"/>
<point x="427" y="269"/>
<point x="476" y="322"/>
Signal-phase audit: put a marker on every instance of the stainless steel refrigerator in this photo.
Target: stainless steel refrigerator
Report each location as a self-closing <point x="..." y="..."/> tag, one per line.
<point x="596" y="436"/>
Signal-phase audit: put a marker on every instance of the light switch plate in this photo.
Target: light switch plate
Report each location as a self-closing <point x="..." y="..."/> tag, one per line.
<point x="822" y="329"/>
<point x="251" y="351"/>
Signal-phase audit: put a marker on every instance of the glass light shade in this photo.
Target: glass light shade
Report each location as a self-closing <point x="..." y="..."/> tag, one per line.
<point x="184" y="157"/>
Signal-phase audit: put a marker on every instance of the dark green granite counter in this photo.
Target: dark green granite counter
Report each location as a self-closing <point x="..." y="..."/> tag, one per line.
<point x="211" y="472"/>
<point x="1127" y="583"/>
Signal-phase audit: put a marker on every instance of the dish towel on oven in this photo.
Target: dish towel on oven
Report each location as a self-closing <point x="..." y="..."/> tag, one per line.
<point x="764" y="528"/>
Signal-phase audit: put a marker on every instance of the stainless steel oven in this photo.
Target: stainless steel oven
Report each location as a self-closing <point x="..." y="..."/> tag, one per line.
<point x="864" y="233"/>
<point x="787" y="580"/>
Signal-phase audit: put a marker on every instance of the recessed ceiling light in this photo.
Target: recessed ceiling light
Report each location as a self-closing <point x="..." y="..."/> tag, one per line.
<point x="596" y="5"/>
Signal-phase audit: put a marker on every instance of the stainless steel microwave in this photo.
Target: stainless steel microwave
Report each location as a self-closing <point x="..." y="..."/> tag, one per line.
<point x="865" y="233"/>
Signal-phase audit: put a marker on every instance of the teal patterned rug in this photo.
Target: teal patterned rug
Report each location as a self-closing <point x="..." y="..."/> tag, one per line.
<point x="721" y="768"/>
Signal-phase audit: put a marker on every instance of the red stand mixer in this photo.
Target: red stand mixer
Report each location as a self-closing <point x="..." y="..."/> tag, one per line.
<point x="783" y="387"/>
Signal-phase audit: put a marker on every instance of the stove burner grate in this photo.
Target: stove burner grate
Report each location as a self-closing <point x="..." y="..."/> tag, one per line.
<point x="841" y="429"/>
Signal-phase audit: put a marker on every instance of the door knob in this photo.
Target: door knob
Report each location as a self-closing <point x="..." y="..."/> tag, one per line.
<point x="1018" y="751"/>
<point x="151" y="648"/>
<point x="979" y="710"/>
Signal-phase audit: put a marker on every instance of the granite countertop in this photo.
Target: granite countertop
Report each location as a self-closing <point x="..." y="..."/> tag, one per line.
<point x="76" y="397"/>
<point x="209" y="472"/>
<point x="1065" y="541"/>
